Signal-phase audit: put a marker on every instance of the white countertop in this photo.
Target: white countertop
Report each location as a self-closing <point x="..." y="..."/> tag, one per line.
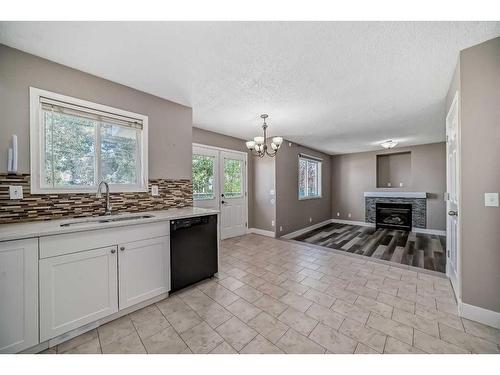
<point x="395" y="194"/>
<point x="53" y="227"/>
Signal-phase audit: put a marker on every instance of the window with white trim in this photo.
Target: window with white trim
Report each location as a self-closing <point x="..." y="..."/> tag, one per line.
<point x="309" y="177"/>
<point x="76" y="144"/>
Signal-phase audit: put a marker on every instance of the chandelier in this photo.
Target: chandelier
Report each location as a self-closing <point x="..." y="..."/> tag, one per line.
<point x="258" y="146"/>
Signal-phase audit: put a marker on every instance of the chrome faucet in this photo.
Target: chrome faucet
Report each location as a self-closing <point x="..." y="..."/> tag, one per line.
<point x="99" y="195"/>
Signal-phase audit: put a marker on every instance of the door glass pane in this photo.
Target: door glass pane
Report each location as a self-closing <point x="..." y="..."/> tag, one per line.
<point x="119" y="154"/>
<point x="69" y="158"/>
<point x="203" y="177"/>
<point x="233" y="180"/>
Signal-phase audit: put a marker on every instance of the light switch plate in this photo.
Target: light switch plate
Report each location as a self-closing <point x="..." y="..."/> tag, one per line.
<point x="154" y="190"/>
<point x="15" y="192"/>
<point x="491" y="199"/>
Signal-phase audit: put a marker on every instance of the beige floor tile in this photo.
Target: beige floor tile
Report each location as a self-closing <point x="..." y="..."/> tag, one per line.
<point x="363" y="349"/>
<point x="325" y="316"/>
<point x="391" y="328"/>
<point x="393" y="346"/>
<point x="273" y="278"/>
<point x="243" y="310"/>
<point x="220" y="294"/>
<point x="202" y="338"/>
<point x="320" y="298"/>
<point x="149" y="321"/>
<point x="368" y="336"/>
<point x="270" y="305"/>
<point x="381" y="287"/>
<point x="427" y="326"/>
<point x="272" y="290"/>
<point x="236" y="272"/>
<point x="130" y="344"/>
<point x="375" y="306"/>
<point x="268" y="326"/>
<point x="332" y="340"/>
<point x="224" y="348"/>
<point x="89" y="347"/>
<point x="481" y="330"/>
<point x="439" y="316"/>
<point x="166" y="341"/>
<point x="294" y="287"/>
<point x="297" y="302"/>
<point x="231" y="283"/>
<point x="253" y="280"/>
<point x="236" y="333"/>
<point x="248" y="293"/>
<point x="52" y="350"/>
<point x="351" y="311"/>
<point x="342" y="294"/>
<point x="471" y="343"/>
<point x="260" y="345"/>
<point x="362" y="291"/>
<point x="434" y="345"/>
<point x="294" y="275"/>
<point x="445" y="306"/>
<point x="214" y="314"/>
<point x="115" y="330"/>
<point x="77" y="341"/>
<point x="183" y="320"/>
<point x="315" y="284"/>
<point x="298" y="321"/>
<point x="293" y="342"/>
<point x="397" y="302"/>
<point x="312" y="274"/>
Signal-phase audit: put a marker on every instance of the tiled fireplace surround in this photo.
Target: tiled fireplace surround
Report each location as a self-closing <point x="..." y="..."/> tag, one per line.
<point x="419" y="209"/>
<point x="172" y="194"/>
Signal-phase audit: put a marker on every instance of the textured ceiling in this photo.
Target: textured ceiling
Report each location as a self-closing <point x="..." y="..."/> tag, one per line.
<point x="334" y="86"/>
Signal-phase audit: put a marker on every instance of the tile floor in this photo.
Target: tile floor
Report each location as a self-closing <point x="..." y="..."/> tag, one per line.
<point x="274" y="296"/>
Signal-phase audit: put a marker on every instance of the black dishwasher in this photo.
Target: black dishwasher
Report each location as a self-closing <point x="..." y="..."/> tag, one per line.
<point x="193" y="250"/>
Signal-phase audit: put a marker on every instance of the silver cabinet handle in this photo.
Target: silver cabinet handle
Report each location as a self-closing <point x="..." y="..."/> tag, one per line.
<point x="122" y="248"/>
<point x="113" y="251"/>
<point x="453" y="213"/>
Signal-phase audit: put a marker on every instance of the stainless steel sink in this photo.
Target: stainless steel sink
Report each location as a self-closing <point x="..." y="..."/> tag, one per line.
<point x="105" y="219"/>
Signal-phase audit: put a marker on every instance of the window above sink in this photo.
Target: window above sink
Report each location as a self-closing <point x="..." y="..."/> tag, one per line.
<point x="75" y="144"/>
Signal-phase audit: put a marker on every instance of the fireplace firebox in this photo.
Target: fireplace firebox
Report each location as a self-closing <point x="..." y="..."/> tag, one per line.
<point x="393" y="216"/>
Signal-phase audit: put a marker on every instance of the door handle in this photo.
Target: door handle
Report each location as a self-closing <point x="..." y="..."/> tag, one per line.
<point x="453" y="213"/>
<point x="223" y="202"/>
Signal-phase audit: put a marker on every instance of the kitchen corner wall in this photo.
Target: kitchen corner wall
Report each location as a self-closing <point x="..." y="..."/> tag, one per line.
<point x="169" y="143"/>
<point x="478" y="79"/>
<point x="356" y="173"/>
<point x="291" y="213"/>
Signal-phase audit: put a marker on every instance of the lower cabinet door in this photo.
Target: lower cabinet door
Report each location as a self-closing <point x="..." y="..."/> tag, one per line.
<point x="18" y="295"/>
<point x="144" y="269"/>
<point x="77" y="289"/>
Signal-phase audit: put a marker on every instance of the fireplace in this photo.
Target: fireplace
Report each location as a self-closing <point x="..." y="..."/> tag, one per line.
<point x="393" y="216"/>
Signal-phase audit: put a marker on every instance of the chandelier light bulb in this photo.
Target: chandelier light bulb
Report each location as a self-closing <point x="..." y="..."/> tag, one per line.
<point x="250" y="145"/>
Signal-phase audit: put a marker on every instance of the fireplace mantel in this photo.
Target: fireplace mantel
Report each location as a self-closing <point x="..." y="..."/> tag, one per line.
<point x="395" y="194"/>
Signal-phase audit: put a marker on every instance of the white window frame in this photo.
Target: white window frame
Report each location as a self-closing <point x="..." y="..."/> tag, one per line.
<point x="37" y="145"/>
<point x="319" y="178"/>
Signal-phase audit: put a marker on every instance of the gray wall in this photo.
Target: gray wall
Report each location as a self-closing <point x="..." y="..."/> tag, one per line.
<point x="209" y="138"/>
<point x="291" y="213"/>
<point x="354" y="174"/>
<point x="169" y="123"/>
<point x="480" y="173"/>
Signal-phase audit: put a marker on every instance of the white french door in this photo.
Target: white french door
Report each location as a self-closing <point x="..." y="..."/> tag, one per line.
<point x="453" y="201"/>
<point x="220" y="182"/>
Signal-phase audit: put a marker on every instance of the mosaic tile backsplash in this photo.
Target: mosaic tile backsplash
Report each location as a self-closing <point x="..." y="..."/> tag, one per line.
<point x="172" y="194"/>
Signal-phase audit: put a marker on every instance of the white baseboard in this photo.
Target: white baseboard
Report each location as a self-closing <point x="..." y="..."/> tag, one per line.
<point x="478" y="314"/>
<point x="262" y="232"/>
<point x="306" y="229"/>
<point x="416" y="230"/>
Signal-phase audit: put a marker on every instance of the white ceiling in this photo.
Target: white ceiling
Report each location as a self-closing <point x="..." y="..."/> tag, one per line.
<point x="335" y="86"/>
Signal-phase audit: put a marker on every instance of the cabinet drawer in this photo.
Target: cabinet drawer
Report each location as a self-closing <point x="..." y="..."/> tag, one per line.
<point x="62" y="244"/>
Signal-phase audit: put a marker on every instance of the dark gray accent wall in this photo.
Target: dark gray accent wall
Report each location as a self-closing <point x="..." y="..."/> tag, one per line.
<point x="169" y="123"/>
<point x="480" y="172"/>
<point x="354" y="174"/>
<point x="291" y="213"/>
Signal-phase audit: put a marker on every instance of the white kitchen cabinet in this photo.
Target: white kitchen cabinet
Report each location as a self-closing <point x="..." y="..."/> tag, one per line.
<point x="144" y="270"/>
<point x="76" y="289"/>
<point x="18" y="295"/>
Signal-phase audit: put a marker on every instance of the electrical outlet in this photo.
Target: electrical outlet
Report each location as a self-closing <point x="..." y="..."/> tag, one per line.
<point x="310" y="219"/>
<point x="338" y="213"/>
<point x="272" y="223"/>
<point x="349" y="214"/>
<point x="281" y="228"/>
<point x="389" y="184"/>
<point x="491" y="199"/>
<point x="154" y="190"/>
<point x="15" y="192"/>
<point x="400" y="184"/>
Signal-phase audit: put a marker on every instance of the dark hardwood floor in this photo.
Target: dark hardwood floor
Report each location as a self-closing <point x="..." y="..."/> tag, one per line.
<point x="415" y="249"/>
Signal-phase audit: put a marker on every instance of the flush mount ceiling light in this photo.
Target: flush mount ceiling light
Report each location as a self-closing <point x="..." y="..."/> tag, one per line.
<point x="389" y="144"/>
<point x="258" y="146"/>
